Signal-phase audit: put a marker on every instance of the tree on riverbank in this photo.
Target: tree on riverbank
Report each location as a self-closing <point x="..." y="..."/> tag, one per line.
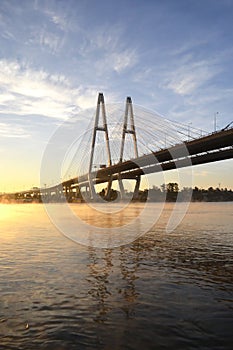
<point x="166" y="192"/>
<point x="171" y="191"/>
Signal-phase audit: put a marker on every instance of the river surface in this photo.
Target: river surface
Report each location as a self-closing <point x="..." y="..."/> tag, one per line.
<point x="162" y="291"/>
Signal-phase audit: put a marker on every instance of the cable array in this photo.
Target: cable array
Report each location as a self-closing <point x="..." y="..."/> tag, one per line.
<point x="154" y="132"/>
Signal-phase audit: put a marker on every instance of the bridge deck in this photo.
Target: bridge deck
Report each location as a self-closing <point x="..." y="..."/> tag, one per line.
<point x="211" y="148"/>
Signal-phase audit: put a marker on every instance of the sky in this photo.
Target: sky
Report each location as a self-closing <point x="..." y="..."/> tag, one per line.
<point x="173" y="57"/>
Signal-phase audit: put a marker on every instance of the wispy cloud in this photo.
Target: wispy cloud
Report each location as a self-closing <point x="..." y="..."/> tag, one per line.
<point x="50" y="41"/>
<point x="60" y="16"/>
<point x="12" y="131"/>
<point x="107" y="46"/>
<point x="28" y="91"/>
<point x="105" y="38"/>
<point x="186" y="78"/>
<point x="60" y="21"/>
<point x="123" y="60"/>
<point x="6" y="34"/>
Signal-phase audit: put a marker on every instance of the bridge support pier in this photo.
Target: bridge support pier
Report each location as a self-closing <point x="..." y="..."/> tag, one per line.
<point x="77" y="192"/>
<point x="109" y="187"/>
<point x="128" y="129"/>
<point x="121" y="187"/>
<point x="136" y="189"/>
<point x="104" y="128"/>
<point x="92" y="192"/>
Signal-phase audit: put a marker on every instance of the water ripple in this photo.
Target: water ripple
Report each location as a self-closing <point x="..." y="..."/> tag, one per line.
<point x="163" y="291"/>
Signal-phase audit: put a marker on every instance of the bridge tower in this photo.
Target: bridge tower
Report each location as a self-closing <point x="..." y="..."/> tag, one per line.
<point x="100" y="109"/>
<point x="128" y="129"/>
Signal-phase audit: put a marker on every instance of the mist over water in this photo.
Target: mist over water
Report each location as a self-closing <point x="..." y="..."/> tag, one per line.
<point x="163" y="291"/>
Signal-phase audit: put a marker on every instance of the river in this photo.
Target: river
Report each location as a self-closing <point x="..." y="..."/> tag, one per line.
<point x="165" y="290"/>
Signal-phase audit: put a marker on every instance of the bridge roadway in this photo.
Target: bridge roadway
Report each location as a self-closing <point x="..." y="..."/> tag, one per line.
<point x="211" y="148"/>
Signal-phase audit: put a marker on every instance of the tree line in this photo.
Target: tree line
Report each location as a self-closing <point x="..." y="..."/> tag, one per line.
<point x="171" y="193"/>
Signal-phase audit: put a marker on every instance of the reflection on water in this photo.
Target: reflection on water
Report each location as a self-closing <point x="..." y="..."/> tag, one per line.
<point x="163" y="291"/>
<point x="100" y="228"/>
<point x="99" y="216"/>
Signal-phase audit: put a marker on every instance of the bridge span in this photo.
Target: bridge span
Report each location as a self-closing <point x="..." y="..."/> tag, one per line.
<point x="213" y="147"/>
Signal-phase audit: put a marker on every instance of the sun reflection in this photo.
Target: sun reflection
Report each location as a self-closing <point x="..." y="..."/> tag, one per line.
<point x="119" y="217"/>
<point x="6" y="212"/>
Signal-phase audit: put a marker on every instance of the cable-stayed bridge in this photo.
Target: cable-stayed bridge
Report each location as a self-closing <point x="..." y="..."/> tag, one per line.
<point x="131" y="151"/>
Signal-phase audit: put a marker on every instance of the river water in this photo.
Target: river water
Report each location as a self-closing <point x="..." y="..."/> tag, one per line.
<point x="163" y="291"/>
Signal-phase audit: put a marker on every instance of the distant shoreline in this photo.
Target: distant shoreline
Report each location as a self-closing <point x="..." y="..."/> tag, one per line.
<point x="165" y="193"/>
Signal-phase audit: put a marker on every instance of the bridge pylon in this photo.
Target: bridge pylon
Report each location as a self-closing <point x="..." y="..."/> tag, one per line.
<point x="100" y="109"/>
<point x="128" y="128"/>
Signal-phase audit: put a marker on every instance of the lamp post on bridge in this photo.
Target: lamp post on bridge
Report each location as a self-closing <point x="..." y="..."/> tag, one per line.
<point x="215" y="121"/>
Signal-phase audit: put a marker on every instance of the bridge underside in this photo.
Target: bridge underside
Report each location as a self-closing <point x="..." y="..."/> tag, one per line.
<point x="165" y="166"/>
<point x="214" y="147"/>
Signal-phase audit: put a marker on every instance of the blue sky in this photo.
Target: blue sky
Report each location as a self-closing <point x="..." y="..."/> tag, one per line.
<point x="171" y="56"/>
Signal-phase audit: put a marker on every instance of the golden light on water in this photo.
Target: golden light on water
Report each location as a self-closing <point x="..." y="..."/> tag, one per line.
<point x="119" y="217"/>
<point x="6" y="212"/>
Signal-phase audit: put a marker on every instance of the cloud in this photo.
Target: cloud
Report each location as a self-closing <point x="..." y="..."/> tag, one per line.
<point x="6" y="34"/>
<point x="12" y="131"/>
<point x="61" y="18"/>
<point x="188" y="77"/>
<point x="60" y="21"/>
<point x="51" y="41"/>
<point x="105" y="38"/>
<point x="25" y="91"/>
<point x="108" y="49"/>
<point x="122" y="60"/>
